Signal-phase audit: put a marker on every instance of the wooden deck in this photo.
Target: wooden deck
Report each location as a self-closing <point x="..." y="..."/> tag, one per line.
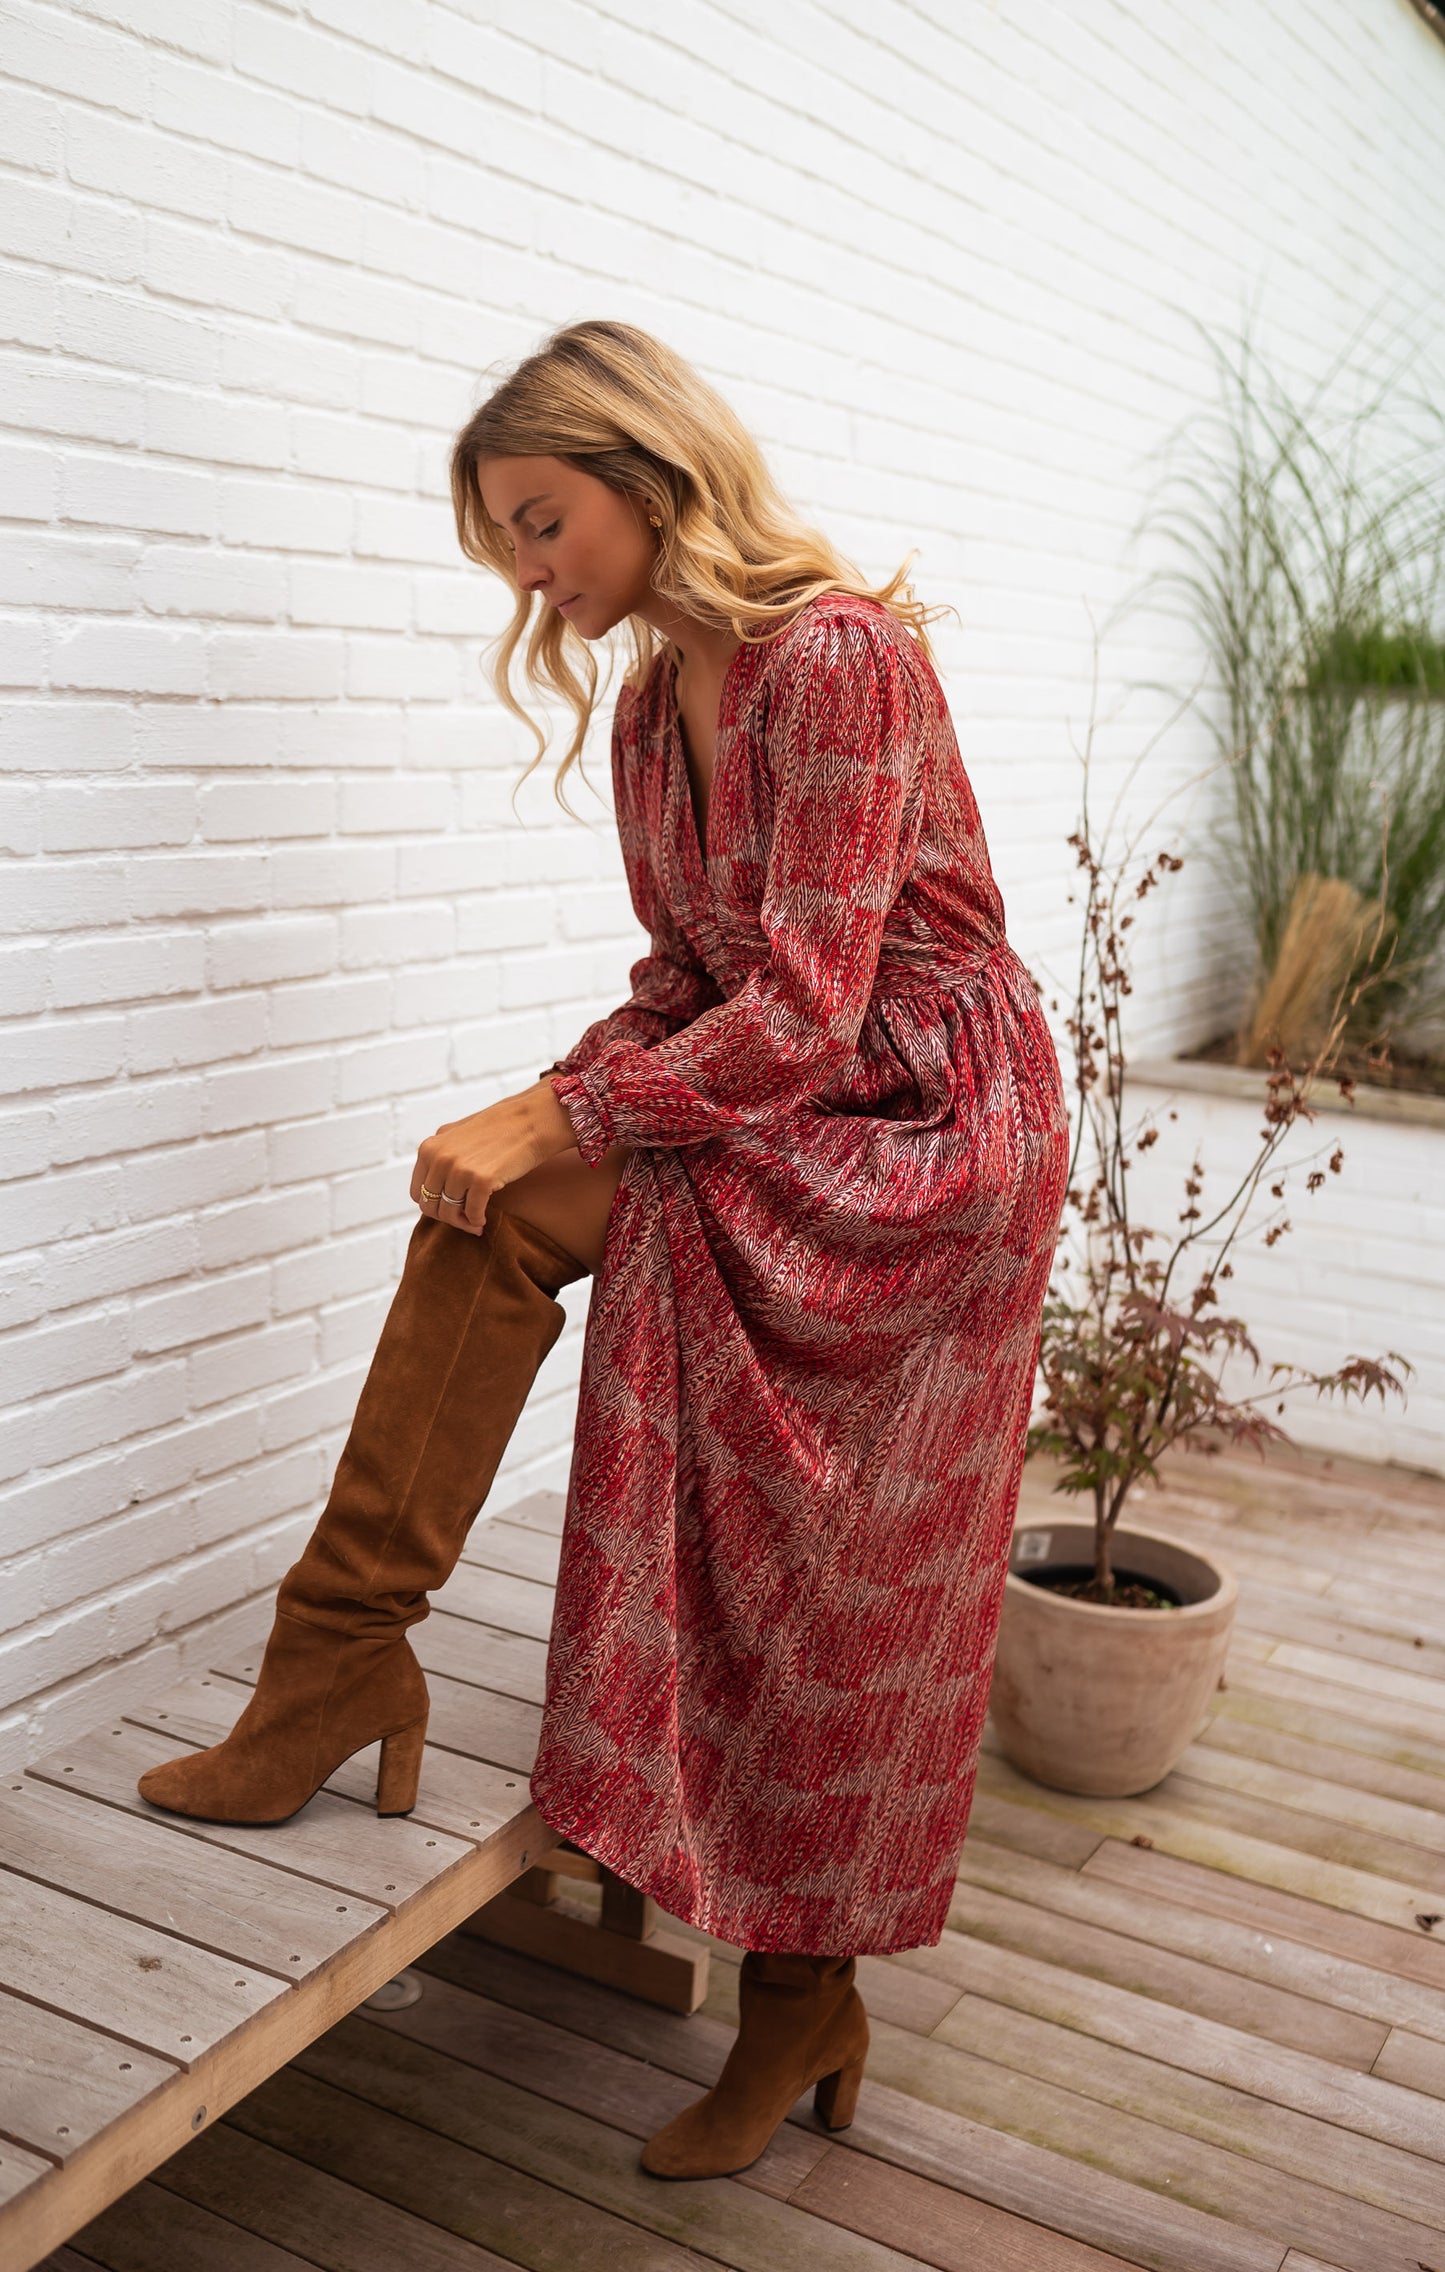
<point x="1202" y="2031"/>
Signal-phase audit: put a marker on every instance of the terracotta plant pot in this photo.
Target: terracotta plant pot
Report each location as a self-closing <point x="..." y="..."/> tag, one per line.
<point x="1103" y="1700"/>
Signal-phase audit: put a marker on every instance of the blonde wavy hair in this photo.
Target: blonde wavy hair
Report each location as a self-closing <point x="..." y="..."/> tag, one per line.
<point x="615" y="402"/>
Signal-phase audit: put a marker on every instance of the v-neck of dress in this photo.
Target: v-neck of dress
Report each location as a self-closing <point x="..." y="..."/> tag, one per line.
<point x="699" y="846"/>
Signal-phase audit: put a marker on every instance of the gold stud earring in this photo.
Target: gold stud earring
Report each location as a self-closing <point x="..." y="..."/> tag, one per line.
<point x="654" y="520"/>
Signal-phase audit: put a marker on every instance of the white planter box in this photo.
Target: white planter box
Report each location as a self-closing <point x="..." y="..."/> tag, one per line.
<point x="1360" y="1271"/>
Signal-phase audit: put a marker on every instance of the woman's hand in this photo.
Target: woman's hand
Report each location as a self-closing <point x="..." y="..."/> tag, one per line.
<point x="459" y="1168"/>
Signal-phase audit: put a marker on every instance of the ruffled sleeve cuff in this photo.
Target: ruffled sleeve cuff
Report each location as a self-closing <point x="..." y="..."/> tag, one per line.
<point x="589" y="1119"/>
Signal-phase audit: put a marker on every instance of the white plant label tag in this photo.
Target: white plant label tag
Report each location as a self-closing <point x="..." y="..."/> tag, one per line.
<point x="1032" y="1546"/>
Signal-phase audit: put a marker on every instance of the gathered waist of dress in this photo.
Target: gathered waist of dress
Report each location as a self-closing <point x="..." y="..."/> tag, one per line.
<point x="900" y="975"/>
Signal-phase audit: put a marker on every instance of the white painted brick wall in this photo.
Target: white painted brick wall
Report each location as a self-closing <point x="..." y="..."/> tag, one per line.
<point x="1358" y="1273"/>
<point x="269" y="916"/>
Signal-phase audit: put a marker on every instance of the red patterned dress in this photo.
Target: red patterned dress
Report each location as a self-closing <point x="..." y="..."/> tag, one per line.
<point x="811" y="1345"/>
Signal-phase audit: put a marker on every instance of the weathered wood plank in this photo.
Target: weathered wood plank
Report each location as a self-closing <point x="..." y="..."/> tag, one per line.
<point x="1339" y="1714"/>
<point x="1369" y="1589"/>
<point x="144" y="1869"/>
<point x="540" y="1510"/>
<point x="1256" y="1736"/>
<point x="461" y="1792"/>
<point x="283" y="2199"/>
<point x="1231" y="1892"/>
<point x="508" y="1663"/>
<point x="1124" y="1960"/>
<point x="1231" y="1937"/>
<point x="519" y="1549"/>
<point x="478" y="2158"/>
<point x="939" y="2224"/>
<point x="920" y="2131"/>
<point x="150" y="2230"/>
<point x="62" y="2082"/>
<point x="118" y="2157"/>
<point x="1378" y="1635"/>
<point x="110" y="1972"/>
<point x="1334" y="2099"/>
<point x="1199" y="1838"/>
<point x="19" y="2170"/>
<point x="1308" y="1832"/>
<point x="1413" y="2060"/>
<point x="337" y="1843"/>
<point x="490" y="1597"/>
<point x="1248" y="2127"/>
<point x="1415" y="1689"/>
<point x="1394" y="1821"/>
<point x="1030" y="1830"/>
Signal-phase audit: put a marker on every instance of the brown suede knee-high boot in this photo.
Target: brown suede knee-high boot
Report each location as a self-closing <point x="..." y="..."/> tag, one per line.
<point x="801" y="2022"/>
<point x="471" y="1321"/>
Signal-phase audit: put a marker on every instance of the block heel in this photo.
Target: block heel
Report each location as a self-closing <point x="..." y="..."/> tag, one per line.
<point x="399" y="1773"/>
<point x="835" y="2101"/>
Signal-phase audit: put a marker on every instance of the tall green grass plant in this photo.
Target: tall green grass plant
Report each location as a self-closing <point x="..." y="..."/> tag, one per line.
<point x="1315" y="540"/>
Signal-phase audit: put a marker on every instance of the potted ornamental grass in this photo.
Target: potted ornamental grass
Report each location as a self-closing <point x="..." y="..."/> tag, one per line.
<point x="1113" y="1636"/>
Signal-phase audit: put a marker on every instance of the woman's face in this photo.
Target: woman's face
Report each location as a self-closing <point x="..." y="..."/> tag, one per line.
<point x="586" y="548"/>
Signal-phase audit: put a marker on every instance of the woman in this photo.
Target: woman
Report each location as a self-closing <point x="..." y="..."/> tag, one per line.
<point x="815" y="1165"/>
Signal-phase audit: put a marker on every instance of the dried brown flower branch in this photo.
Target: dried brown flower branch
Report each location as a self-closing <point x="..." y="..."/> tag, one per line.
<point x="1130" y="1366"/>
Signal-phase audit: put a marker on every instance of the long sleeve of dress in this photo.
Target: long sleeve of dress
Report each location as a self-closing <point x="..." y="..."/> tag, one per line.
<point x="669" y="987"/>
<point x="844" y="748"/>
<point x="669" y="984"/>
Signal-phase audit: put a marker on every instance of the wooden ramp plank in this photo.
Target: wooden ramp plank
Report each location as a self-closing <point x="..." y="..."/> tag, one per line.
<point x="467" y="1717"/>
<point x="383" y="1861"/>
<point x="522" y="1551"/>
<point x="62" y="2082"/>
<point x="110" y="1972"/>
<point x="128" y="2150"/>
<point x="508" y="1663"/>
<point x="19" y="2169"/>
<point x="144" y="1869"/>
<point x="540" y="1510"/>
<point x="491" y="1597"/>
<point x="461" y="1792"/>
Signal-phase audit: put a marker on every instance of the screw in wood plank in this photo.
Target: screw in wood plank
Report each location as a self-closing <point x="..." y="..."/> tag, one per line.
<point x="198" y="2118"/>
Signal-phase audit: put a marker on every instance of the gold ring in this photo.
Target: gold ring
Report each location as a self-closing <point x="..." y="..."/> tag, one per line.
<point x="429" y="1194"/>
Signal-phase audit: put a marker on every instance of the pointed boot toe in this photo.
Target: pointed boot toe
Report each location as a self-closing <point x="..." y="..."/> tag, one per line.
<point x="696" y="2143"/>
<point x="179" y="1785"/>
